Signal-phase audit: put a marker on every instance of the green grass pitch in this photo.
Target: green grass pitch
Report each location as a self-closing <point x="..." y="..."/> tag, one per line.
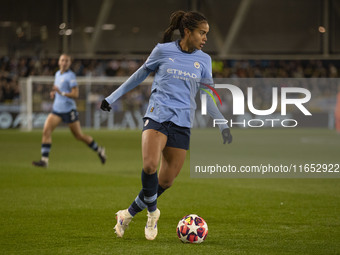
<point x="69" y="207"/>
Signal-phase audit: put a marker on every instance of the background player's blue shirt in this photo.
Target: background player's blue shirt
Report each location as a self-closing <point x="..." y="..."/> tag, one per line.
<point x="170" y="98"/>
<point x="65" y="82"/>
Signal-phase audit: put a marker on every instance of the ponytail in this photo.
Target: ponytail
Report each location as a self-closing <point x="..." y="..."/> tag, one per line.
<point x="175" y="23"/>
<point x="181" y="20"/>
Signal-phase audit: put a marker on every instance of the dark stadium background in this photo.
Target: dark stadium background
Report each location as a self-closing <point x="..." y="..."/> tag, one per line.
<point x="285" y="29"/>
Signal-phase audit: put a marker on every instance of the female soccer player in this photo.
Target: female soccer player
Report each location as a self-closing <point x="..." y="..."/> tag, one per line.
<point x="64" y="91"/>
<point x="167" y="124"/>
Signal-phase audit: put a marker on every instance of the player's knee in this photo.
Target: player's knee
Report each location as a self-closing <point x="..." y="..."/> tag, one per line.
<point x="150" y="167"/>
<point x="165" y="184"/>
<point x="47" y="132"/>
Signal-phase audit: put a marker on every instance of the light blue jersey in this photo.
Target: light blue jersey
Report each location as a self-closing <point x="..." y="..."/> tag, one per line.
<point x="172" y="92"/>
<point x="65" y="82"/>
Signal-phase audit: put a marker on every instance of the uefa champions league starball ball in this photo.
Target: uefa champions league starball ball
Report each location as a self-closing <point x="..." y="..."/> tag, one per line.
<point x="192" y="229"/>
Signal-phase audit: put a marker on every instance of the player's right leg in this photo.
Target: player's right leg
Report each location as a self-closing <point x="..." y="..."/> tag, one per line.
<point x="51" y="123"/>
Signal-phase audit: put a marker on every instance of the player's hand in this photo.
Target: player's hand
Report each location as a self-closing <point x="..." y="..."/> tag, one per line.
<point x="52" y="94"/>
<point x="56" y="89"/>
<point x="105" y="106"/>
<point x="226" y="135"/>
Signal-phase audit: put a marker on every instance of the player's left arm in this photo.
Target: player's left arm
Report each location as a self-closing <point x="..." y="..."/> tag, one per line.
<point x="212" y="109"/>
<point x="215" y="113"/>
<point x="72" y="83"/>
<point x="73" y="94"/>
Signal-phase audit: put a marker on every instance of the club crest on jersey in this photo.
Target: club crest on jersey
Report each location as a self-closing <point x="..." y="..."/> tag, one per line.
<point x="197" y="65"/>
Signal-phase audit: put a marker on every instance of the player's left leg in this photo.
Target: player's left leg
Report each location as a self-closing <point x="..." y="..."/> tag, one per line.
<point x="79" y="135"/>
<point x="171" y="164"/>
<point x="173" y="156"/>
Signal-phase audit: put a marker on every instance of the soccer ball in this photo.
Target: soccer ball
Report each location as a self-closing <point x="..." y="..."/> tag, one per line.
<point x="192" y="229"/>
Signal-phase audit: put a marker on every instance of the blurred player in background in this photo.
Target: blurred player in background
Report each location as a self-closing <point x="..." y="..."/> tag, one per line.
<point x="64" y="91"/>
<point x="167" y="122"/>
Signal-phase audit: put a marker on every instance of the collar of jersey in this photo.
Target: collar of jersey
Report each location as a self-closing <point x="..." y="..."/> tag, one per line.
<point x="184" y="51"/>
<point x="65" y="71"/>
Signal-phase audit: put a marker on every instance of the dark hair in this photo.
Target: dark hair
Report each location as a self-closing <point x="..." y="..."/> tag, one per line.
<point x="181" y="20"/>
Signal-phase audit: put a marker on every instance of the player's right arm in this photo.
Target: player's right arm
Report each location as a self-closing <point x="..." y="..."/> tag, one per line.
<point x="135" y="79"/>
<point x="138" y="77"/>
<point x="52" y="92"/>
<point x="73" y="94"/>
